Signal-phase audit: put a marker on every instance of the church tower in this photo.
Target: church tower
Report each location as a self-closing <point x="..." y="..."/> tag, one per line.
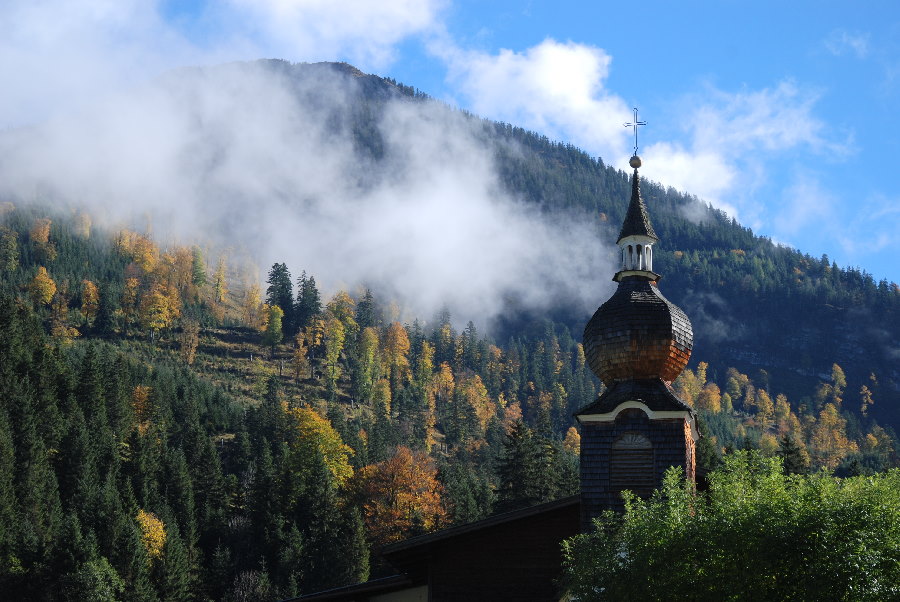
<point x="637" y="343"/>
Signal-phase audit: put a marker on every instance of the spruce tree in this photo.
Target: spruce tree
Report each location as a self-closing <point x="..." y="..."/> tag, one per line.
<point x="521" y="470"/>
<point x="309" y="303"/>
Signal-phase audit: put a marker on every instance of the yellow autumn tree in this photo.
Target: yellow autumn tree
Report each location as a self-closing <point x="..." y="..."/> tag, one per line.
<point x="140" y="402"/>
<point x="443" y="387"/>
<point x="314" y="434"/>
<point x="90" y="299"/>
<point x="42" y="288"/>
<point x="139" y="249"/>
<point x="335" y="335"/>
<point x="828" y="441"/>
<point x="424" y="383"/>
<point x="253" y="307"/>
<point x="396" y="355"/>
<point x="368" y="370"/>
<point x="474" y="395"/>
<point x="159" y="308"/>
<point x="710" y="398"/>
<point x="782" y="413"/>
<point x="512" y="414"/>
<point x="153" y="534"/>
<point x="765" y="408"/>
<point x="866" y="401"/>
<point x="768" y="445"/>
<point x="572" y="442"/>
<point x="687" y="387"/>
<point x="343" y="307"/>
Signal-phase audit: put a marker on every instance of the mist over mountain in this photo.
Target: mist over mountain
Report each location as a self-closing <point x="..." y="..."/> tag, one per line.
<point x="324" y="168"/>
<point x="364" y="182"/>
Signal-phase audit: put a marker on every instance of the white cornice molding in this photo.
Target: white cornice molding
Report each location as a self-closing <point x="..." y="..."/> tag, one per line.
<point x="652" y="414"/>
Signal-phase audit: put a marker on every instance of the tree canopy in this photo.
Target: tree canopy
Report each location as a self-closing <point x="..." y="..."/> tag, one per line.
<point x="755" y="534"/>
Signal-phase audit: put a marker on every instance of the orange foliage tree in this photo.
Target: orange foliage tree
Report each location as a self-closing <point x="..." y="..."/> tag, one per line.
<point x="400" y="496"/>
<point x="40" y="231"/>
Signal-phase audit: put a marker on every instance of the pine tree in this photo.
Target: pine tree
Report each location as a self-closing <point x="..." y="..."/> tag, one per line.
<point x="309" y="303"/>
<point x="198" y="267"/>
<point x="795" y="459"/>
<point x="521" y="470"/>
<point x="175" y="579"/>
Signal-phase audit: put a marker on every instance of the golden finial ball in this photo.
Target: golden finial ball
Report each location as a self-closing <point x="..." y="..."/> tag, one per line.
<point x="635" y="161"/>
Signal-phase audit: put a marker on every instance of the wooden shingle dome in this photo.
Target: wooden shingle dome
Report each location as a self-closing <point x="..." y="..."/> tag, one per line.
<point x="638" y="333"/>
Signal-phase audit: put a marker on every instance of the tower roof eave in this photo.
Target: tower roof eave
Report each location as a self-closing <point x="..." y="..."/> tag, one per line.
<point x="655" y="393"/>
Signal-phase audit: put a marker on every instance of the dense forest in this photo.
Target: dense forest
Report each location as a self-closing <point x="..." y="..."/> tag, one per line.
<point x="174" y="428"/>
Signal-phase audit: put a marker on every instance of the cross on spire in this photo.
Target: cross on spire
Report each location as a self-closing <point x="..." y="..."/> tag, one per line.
<point x="634" y="124"/>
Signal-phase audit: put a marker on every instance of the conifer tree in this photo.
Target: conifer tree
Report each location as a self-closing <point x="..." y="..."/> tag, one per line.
<point x="309" y="303"/>
<point x="521" y="470"/>
<point x="280" y="293"/>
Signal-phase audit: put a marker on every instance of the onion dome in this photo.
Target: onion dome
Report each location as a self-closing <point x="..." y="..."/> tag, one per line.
<point x="638" y="334"/>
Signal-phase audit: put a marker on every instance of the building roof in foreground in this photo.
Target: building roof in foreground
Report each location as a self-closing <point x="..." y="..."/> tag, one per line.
<point x="516" y="549"/>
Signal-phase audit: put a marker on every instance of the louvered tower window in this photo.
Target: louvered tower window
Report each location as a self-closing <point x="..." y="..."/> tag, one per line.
<point x="631" y="465"/>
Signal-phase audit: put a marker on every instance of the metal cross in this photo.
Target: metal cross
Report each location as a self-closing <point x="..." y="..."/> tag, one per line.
<point x="634" y="124"/>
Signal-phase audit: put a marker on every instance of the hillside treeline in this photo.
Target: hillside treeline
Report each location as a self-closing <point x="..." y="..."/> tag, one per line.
<point x="169" y="431"/>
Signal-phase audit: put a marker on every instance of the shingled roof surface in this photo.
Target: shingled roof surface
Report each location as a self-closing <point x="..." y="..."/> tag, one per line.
<point x="652" y="392"/>
<point x="638" y="333"/>
<point x="637" y="221"/>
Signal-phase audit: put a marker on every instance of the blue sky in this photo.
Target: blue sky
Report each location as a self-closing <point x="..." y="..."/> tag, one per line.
<point x="781" y="114"/>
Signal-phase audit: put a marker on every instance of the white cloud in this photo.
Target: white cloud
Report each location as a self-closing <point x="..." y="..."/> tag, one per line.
<point x="728" y="139"/>
<point x="364" y="31"/>
<point x="556" y="88"/>
<point x="840" y="42"/>
<point x="58" y="53"/>
<point x="734" y="140"/>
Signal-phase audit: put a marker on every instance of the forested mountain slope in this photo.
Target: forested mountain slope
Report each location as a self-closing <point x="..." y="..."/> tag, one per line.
<point x="755" y="305"/>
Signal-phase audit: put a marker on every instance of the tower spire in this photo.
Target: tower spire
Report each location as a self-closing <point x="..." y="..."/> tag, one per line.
<point x="637" y="236"/>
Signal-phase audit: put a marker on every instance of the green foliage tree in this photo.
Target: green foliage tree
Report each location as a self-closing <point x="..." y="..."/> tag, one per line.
<point x="274" y="329"/>
<point x="755" y="534"/>
<point x="524" y="470"/>
<point x="280" y="293"/>
<point x="198" y="267"/>
<point x="309" y="303"/>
